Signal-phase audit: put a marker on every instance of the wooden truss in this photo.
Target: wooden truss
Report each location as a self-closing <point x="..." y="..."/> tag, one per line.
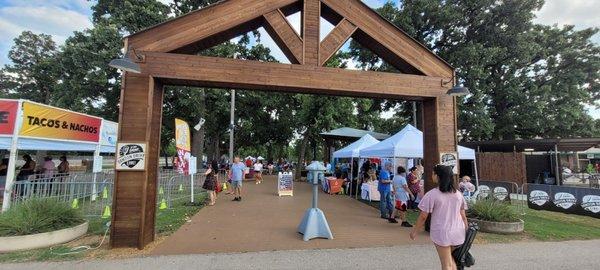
<point x="169" y="50"/>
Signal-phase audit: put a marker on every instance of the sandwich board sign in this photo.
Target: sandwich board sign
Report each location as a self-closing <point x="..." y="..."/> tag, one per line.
<point x="285" y="184"/>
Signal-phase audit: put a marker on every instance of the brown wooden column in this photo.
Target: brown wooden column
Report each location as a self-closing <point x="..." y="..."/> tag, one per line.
<point x="311" y="16"/>
<point x="439" y="132"/>
<point x="134" y="196"/>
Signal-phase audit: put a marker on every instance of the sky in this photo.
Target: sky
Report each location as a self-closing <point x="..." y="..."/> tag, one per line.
<point x="60" y="18"/>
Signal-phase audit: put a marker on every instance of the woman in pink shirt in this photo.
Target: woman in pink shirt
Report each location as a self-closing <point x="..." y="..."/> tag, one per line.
<point x="448" y="218"/>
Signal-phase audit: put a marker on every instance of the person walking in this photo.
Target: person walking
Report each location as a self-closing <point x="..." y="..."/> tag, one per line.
<point x="210" y="182"/>
<point x="414" y="184"/>
<point x="384" y="186"/>
<point x="258" y="167"/>
<point x="237" y="176"/>
<point x="447" y="207"/>
<point x="63" y="166"/>
<point x="402" y="195"/>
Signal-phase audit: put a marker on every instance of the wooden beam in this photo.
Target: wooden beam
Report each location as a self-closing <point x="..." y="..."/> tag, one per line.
<point x="394" y="40"/>
<point x="284" y="36"/>
<point x="203" y="23"/>
<point x="335" y="40"/>
<point x="223" y="72"/>
<point x="311" y="17"/>
<point x="134" y="196"/>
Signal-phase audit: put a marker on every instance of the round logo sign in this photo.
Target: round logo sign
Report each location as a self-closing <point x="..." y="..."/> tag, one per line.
<point x="591" y="203"/>
<point x="538" y="197"/>
<point x="500" y="193"/>
<point x="484" y="191"/>
<point x="564" y="200"/>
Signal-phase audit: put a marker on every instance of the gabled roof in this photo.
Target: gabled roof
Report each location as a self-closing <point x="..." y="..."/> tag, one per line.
<point x="227" y="19"/>
<point x="347" y="133"/>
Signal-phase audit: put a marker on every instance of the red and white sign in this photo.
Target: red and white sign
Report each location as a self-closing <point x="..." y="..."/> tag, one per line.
<point x="8" y="116"/>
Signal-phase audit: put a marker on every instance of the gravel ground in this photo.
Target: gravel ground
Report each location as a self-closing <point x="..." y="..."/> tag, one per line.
<point x="526" y="255"/>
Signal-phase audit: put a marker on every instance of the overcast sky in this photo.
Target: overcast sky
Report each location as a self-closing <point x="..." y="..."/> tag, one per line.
<point x="60" y="18"/>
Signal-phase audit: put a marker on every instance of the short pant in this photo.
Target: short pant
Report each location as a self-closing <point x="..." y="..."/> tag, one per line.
<point x="236" y="183"/>
<point x="400" y="205"/>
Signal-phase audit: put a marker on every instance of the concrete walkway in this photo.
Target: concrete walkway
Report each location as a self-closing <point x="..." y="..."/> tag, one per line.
<point x="263" y="221"/>
<point x="530" y="256"/>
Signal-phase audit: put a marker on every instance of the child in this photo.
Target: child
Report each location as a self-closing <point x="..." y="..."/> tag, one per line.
<point x="402" y="195"/>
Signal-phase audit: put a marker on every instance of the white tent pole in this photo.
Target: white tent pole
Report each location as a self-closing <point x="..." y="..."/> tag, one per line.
<point x="351" y="174"/>
<point x="476" y="174"/>
<point x="12" y="160"/>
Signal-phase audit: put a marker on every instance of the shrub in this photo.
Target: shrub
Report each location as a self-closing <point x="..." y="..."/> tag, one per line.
<point x="38" y="216"/>
<point x="492" y="210"/>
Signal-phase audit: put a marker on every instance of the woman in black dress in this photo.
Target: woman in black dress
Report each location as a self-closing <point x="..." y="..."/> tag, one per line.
<point x="210" y="182"/>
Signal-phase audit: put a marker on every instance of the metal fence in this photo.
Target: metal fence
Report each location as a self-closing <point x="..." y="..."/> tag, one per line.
<point x="92" y="192"/>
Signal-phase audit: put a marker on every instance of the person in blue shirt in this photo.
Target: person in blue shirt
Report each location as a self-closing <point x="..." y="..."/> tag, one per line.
<point x="386" y="206"/>
<point x="237" y="175"/>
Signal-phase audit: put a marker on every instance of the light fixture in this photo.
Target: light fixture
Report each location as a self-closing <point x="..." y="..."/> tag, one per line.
<point x="528" y="149"/>
<point x="126" y="64"/>
<point x="199" y="125"/>
<point x="457" y="90"/>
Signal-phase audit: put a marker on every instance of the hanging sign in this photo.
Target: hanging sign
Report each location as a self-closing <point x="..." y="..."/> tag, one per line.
<point x="285" y="184"/>
<point x="8" y="116"/>
<point x="183" y="146"/>
<point x="450" y="159"/>
<point x="131" y="156"/>
<point x="43" y="121"/>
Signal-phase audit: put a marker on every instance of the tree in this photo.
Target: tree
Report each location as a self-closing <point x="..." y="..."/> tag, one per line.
<point x="33" y="73"/>
<point x="526" y="80"/>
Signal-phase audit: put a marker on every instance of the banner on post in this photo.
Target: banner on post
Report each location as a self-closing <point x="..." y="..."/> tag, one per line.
<point x="47" y="122"/>
<point x="108" y="137"/>
<point x="8" y="116"/>
<point x="182" y="143"/>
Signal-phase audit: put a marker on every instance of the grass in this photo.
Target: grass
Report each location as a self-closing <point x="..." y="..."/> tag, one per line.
<point x="167" y="222"/>
<point x="38" y="216"/>
<point x="539" y="226"/>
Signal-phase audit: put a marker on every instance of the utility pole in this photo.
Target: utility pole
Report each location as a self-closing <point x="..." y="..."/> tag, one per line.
<point x="232" y="117"/>
<point x="231" y="125"/>
<point x="414" y="113"/>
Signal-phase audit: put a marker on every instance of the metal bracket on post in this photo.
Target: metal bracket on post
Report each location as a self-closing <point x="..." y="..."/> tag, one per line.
<point x="314" y="224"/>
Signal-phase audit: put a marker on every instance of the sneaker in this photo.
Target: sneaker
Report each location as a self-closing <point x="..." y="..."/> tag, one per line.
<point x="235" y="199"/>
<point x="239" y="199"/>
<point x="406" y="224"/>
<point x="384" y="217"/>
<point x="392" y="220"/>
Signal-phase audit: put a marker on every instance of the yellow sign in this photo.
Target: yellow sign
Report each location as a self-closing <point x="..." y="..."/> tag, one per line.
<point x="43" y="121"/>
<point x="182" y="135"/>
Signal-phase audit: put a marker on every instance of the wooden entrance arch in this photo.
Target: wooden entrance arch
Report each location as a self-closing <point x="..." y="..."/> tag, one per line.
<point x="167" y="59"/>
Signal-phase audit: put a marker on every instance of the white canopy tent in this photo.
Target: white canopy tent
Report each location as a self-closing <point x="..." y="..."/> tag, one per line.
<point x="408" y="143"/>
<point x="353" y="149"/>
<point x="28" y="128"/>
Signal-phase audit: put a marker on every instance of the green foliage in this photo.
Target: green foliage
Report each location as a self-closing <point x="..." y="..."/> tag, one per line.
<point x="38" y="216"/>
<point x="492" y="210"/>
<point x="33" y="73"/>
<point x="526" y="80"/>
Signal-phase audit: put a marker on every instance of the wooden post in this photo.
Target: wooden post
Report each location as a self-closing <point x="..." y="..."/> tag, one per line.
<point x="439" y="133"/>
<point x="310" y="31"/>
<point x="134" y="196"/>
